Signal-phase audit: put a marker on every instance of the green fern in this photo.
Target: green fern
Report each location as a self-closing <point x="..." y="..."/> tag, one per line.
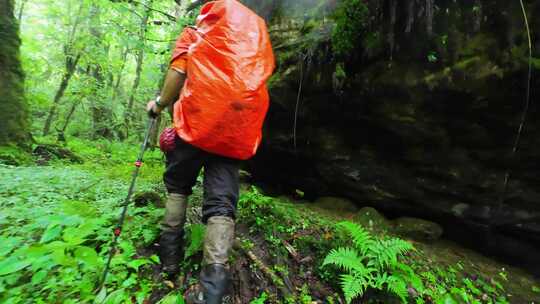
<point x="360" y="237"/>
<point x="396" y="285"/>
<point x="353" y="286"/>
<point x="386" y="252"/>
<point x="347" y="259"/>
<point x="407" y="274"/>
<point x="372" y="263"/>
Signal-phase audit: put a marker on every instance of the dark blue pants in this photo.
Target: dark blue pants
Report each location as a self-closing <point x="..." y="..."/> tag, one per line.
<point x="220" y="178"/>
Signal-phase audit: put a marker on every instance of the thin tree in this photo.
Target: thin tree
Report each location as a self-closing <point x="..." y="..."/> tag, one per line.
<point x="62" y="130"/>
<point x="139" y="55"/>
<point x="72" y="57"/>
<point x="116" y="85"/>
<point x="101" y="111"/>
<point x="21" y="10"/>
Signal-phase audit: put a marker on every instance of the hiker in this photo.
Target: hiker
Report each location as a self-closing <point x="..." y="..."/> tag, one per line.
<point x="218" y="74"/>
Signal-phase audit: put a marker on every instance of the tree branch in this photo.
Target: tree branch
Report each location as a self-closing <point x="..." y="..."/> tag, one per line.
<point x="134" y="12"/>
<point x="171" y="17"/>
<point x="270" y="274"/>
<point x="158" y="40"/>
<point x="133" y="33"/>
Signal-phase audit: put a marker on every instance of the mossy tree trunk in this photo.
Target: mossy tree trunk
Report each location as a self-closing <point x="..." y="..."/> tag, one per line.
<point x="13" y="110"/>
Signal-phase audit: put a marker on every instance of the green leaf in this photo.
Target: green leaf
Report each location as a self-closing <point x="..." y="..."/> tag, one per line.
<point x="12" y="264"/>
<point x="347" y="259"/>
<point x="361" y="238"/>
<point x="8" y="244"/>
<point x="115" y="297"/>
<point x="352" y="286"/>
<point x="87" y="255"/>
<point x="447" y="299"/>
<point x="261" y="299"/>
<point x="128" y="249"/>
<point x="59" y="256"/>
<point x="131" y="281"/>
<point x="82" y="209"/>
<point x="172" y="298"/>
<point x="154" y="258"/>
<point x="398" y="287"/>
<point x="52" y="232"/>
<point x="197" y="240"/>
<point x="73" y="236"/>
<point x="101" y="296"/>
<point x="38" y="277"/>
<point x="135" y="264"/>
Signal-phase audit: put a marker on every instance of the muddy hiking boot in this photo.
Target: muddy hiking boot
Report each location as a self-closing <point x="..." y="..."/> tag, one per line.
<point x="171" y="252"/>
<point x="171" y="241"/>
<point x="215" y="278"/>
<point x="212" y="288"/>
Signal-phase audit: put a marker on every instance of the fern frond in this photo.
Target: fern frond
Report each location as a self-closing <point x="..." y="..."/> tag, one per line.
<point x="398" y="287"/>
<point x="398" y="246"/>
<point x="406" y="273"/>
<point x="361" y="238"/>
<point x="347" y="259"/>
<point x="380" y="280"/>
<point x="384" y="254"/>
<point x="353" y="286"/>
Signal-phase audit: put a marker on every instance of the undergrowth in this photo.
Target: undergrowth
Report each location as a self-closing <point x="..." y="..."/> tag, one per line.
<point x="56" y="235"/>
<point x="56" y="228"/>
<point x="14" y="156"/>
<point x="377" y="268"/>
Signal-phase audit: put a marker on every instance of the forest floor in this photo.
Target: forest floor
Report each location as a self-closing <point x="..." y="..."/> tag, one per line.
<point x="58" y="210"/>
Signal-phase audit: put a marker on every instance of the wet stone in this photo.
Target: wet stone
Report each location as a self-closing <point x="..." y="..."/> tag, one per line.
<point x="148" y="198"/>
<point x="336" y="204"/>
<point x="371" y="218"/>
<point x="417" y="229"/>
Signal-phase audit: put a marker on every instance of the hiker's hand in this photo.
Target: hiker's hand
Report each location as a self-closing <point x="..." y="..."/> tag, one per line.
<point x="152" y="109"/>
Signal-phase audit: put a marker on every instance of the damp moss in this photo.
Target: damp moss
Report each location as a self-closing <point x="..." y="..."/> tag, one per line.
<point x="12" y="103"/>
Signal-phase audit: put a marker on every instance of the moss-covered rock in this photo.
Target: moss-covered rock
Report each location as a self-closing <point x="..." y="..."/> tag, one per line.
<point x="417" y="229"/>
<point x="337" y="204"/>
<point x="373" y="220"/>
<point x="145" y="198"/>
<point x="47" y="152"/>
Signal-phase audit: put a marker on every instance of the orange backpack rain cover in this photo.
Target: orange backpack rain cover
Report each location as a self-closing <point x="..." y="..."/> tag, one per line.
<point x="224" y="100"/>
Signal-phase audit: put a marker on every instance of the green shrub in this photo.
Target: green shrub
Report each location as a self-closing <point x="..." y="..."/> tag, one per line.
<point x="351" y="19"/>
<point x="372" y="263"/>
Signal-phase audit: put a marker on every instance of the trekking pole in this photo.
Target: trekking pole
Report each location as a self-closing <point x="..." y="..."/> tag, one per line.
<point x="118" y="228"/>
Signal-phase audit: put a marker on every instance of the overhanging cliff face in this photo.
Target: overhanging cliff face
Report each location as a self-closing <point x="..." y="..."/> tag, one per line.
<point x="419" y="119"/>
